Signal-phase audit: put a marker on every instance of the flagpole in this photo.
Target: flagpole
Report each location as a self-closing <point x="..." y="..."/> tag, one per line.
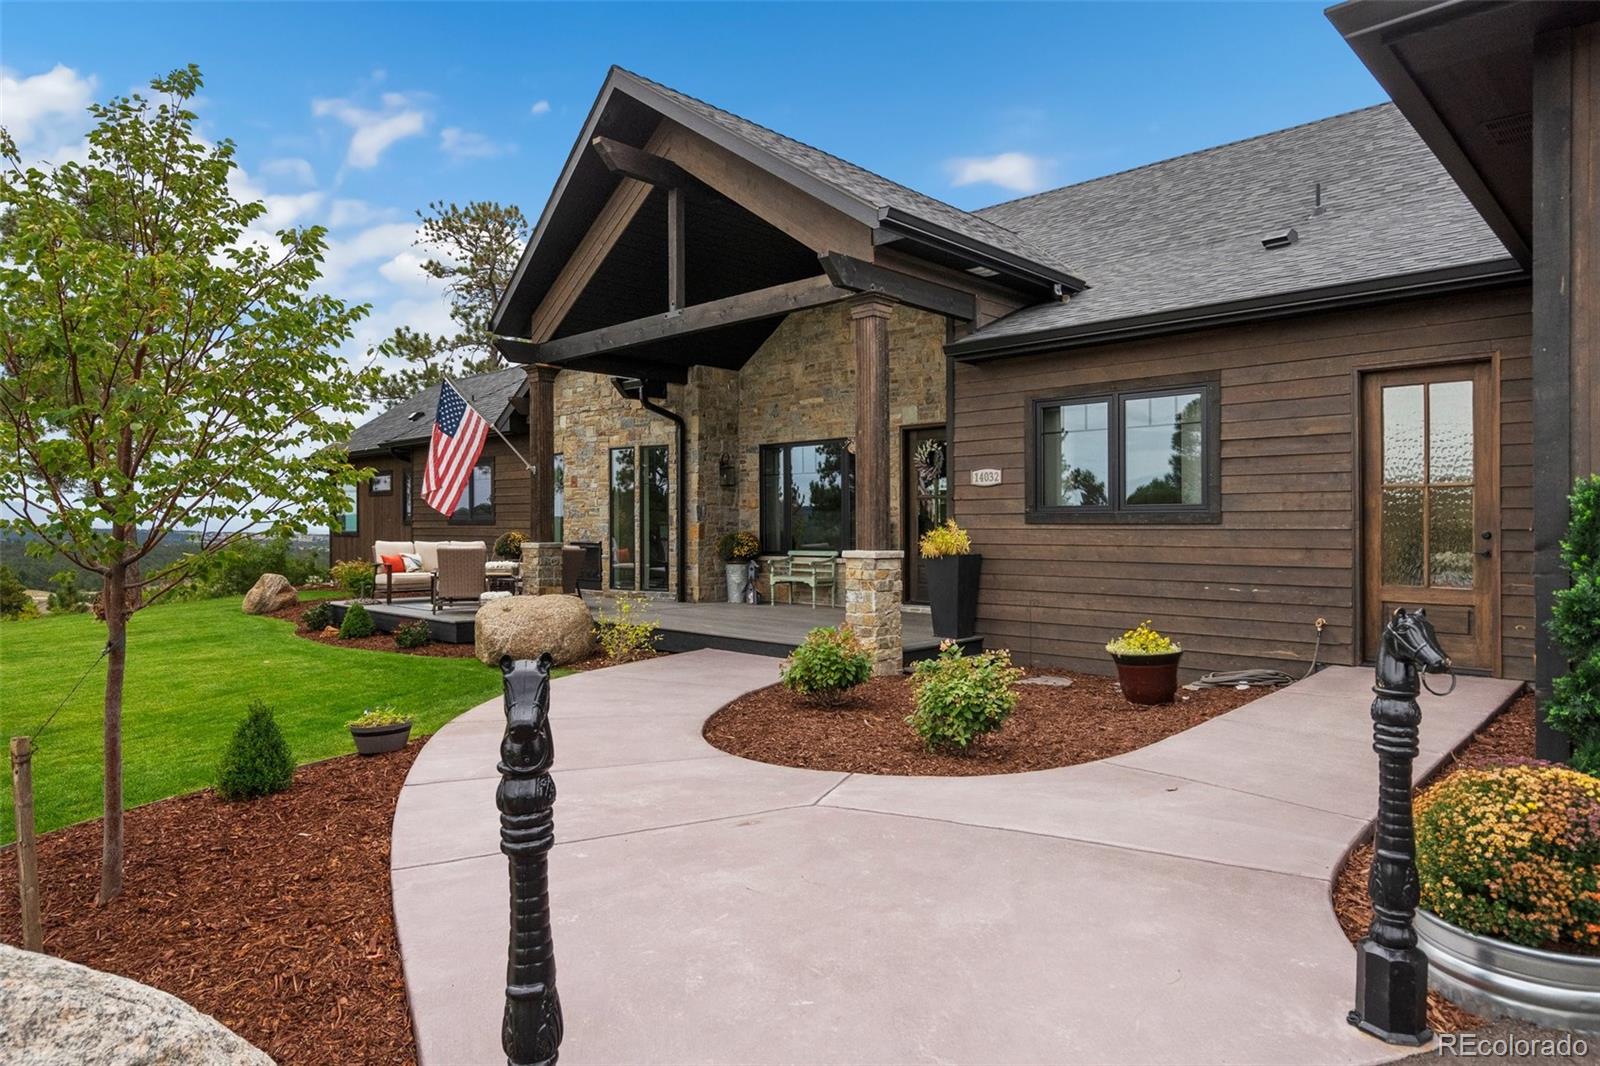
<point x="514" y="449"/>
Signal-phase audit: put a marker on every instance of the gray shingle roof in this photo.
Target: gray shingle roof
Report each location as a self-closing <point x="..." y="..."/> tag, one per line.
<point x="869" y="188"/>
<point x="411" y="421"/>
<point x="1186" y="232"/>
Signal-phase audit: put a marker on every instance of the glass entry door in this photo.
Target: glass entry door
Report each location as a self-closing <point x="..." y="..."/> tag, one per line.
<point x="1428" y="506"/>
<point x="641" y="520"/>
<point x="927" y="500"/>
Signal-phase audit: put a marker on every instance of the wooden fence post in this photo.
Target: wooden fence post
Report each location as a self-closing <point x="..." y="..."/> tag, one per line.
<point x="27" y="855"/>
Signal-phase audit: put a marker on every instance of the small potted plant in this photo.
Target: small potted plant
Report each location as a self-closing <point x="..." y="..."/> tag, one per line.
<point x="737" y="551"/>
<point x="508" y="546"/>
<point x="953" y="570"/>
<point x="1147" y="664"/>
<point x="380" y="729"/>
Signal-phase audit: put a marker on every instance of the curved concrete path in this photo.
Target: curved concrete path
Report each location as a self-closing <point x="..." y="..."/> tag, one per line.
<point x="1168" y="905"/>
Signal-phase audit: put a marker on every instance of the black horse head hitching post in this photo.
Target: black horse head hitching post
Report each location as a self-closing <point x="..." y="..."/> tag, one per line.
<point x="531" y="1033"/>
<point x="1391" y="971"/>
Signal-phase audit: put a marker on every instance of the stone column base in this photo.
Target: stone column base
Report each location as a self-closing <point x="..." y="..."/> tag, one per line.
<point x="541" y="568"/>
<point x="872" y="606"/>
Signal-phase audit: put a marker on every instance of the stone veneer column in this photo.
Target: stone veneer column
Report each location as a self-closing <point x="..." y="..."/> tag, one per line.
<point x="541" y="568"/>
<point x="872" y="606"/>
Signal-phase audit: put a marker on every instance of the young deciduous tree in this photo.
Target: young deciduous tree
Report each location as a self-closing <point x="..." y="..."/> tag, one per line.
<point x="474" y="251"/>
<point x="162" y="371"/>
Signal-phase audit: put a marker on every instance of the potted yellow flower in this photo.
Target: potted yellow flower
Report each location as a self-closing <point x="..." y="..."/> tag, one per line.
<point x="1147" y="664"/>
<point x="953" y="569"/>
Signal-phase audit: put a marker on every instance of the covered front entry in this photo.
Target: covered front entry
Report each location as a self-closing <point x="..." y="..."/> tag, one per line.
<point x="1429" y="482"/>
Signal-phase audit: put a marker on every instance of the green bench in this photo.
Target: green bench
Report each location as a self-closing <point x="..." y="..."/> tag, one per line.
<point x="810" y="568"/>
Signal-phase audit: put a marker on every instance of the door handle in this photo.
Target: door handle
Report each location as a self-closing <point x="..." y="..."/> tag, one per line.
<point x="1487" y="552"/>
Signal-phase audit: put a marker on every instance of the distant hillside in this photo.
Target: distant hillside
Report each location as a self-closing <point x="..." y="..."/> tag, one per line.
<point x="35" y="571"/>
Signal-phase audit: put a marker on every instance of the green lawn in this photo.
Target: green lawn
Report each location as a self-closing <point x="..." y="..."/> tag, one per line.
<point x="192" y="669"/>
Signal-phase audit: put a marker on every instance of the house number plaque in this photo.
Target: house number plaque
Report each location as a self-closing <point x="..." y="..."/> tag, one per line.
<point x="986" y="477"/>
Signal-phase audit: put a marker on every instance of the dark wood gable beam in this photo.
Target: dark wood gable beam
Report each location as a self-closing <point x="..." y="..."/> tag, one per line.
<point x="521" y="351"/>
<point x="639" y="164"/>
<point x="745" y="307"/>
<point x="857" y="275"/>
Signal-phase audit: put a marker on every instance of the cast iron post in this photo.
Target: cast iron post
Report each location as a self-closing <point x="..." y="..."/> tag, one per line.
<point x="531" y="1033"/>
<point x="1391" y="971"/>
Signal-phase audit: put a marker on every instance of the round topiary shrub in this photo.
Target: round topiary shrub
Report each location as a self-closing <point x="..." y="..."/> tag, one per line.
<point x="960" y="697"/>
<point x="826" y="665"/>
<point x="317" y="617"/>
<point x="357" y="623"/>
<point x="1513" y="852"/>
<point x="412" y="635"/>
<point x="509" y="546"/>
<point x="257" y="761"/>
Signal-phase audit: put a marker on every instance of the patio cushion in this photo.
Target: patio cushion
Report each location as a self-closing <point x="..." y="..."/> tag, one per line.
<point x="416" y="581"/>
<point x="380" y="548"/>
<point x="397" y="563"/>
<point x="428" y="552"/>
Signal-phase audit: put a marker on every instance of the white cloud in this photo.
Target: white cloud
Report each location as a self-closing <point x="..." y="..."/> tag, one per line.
<point x="375" y="131"/>
<point x="540" y="107"/>
<point x="460" y="144"/>
<point x="373" y="244"/>
<point x="34" y="107"/>
<point x="346" y="212"/>
<point x="1016" y="171"/>
<point x="293" y="168"/>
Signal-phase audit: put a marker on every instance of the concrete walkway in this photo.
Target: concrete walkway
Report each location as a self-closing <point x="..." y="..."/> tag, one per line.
<point x="1168" y="905"/>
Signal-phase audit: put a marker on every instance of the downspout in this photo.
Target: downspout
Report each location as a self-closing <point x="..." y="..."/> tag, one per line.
<point x="682" y="568"/>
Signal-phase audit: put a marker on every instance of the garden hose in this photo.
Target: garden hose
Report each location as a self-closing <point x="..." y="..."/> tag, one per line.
<point x="1261" y="678"/>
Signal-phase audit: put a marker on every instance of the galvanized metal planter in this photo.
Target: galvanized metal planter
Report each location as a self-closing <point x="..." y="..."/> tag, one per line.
<point x="1494" y="977"/>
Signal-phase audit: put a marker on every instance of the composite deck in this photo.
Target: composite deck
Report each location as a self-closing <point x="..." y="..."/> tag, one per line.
<point x="768" y="629"/>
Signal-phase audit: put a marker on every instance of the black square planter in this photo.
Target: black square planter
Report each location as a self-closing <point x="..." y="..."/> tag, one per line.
<point x="953" y="594"/>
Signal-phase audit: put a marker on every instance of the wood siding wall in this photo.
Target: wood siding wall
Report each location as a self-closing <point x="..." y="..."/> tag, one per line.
<point x="1245" y="592"/>
<point x="380" y="517"/>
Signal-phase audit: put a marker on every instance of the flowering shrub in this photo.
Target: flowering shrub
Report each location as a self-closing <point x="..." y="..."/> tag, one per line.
<point x="355" y="577"/>
<point x="1143" y="640"/>
<point x="623" y="637"/>
<point x="376" y="716"/>
<point x="960" y="697"/>
<point x="828" y="664"/>
<point x="509" y="546"/>
<point x="1513" y="852"/>
<point x="948" y="539"/>
<point x="412" y="635"/>
<point x="739" y="547"/>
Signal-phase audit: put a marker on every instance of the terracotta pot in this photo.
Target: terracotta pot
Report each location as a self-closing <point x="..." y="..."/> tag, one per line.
<point x="1148" y="679"/>
<point x="378" y="739"/>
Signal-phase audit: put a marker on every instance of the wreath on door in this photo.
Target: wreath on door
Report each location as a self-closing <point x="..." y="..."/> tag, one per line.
<point x="928" y="464"/>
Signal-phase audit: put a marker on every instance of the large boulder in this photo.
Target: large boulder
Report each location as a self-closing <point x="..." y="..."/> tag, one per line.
<point x="524" y="627"/>
<point x="271" y="592"/>
<point x="57" y="1013"/>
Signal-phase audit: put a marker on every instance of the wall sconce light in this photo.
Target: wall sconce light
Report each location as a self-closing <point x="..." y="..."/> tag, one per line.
<point x="727" y="476"/>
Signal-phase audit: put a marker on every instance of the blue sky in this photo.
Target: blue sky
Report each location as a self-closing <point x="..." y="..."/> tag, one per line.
<point x="354" y="115"/>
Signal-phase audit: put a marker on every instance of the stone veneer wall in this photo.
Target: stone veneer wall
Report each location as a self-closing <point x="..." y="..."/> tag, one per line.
<point x="799" y="386"/>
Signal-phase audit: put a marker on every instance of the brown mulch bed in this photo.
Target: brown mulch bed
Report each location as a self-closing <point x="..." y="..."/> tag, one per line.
<point x="1509" y="735"/>
<point x="376" y="642"/>
<point x="273" y="916"/>
<point x="868" y="734"/>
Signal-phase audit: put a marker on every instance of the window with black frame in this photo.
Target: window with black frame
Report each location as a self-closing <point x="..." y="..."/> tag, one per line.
<point x="807" y="497"/>
<point x="1130" y="454"/>
<point x="559" y="491"/>
<point x="405" y="496"/>
<point x="476" y="506"/>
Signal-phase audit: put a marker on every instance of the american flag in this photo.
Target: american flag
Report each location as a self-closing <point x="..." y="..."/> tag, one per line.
<point x="458" y="436"/>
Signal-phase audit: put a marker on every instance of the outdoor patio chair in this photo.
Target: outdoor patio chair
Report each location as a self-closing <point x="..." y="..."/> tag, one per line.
<point x="810" y="568"/>
<point x="460" y="574"/>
